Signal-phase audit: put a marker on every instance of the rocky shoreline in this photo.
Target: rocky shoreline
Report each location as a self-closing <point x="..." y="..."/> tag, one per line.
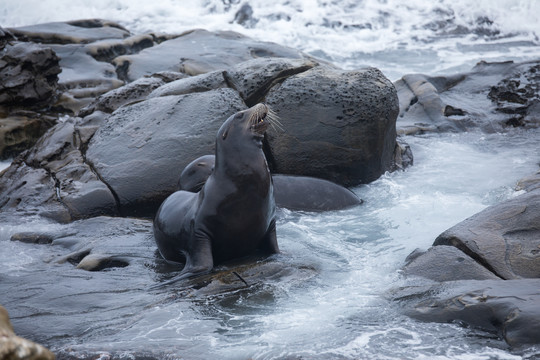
<point x="98" y="117"/>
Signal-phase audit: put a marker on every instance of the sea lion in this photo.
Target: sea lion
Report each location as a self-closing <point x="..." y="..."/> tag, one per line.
<point x="291" y="192"/>
<point x="233" y="215"/>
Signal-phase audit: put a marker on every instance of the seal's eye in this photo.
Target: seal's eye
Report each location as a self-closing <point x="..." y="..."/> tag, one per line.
<point x="224" y="136"/>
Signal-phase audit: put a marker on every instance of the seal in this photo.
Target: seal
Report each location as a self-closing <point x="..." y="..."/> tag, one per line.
<point x="300" y="193"/>
<point x="233" y="215"/>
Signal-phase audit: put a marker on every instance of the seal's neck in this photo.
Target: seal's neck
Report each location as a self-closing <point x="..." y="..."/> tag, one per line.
<point x="241" y="159"/>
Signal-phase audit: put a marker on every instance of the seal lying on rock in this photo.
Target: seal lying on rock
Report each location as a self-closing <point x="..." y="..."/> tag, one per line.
<point x="302" y="193"/>
<point x="233" y="215"/>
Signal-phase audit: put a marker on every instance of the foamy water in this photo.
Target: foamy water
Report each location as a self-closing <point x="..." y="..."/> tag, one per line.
<point x="355" y="255"/>
<point x="396" y="36"/>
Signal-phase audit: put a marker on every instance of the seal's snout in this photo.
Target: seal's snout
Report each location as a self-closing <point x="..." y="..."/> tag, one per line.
<point x="257" y="118"/>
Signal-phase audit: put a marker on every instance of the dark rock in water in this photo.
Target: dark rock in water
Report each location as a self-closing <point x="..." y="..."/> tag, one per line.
<point x="502" y="242"/>
<point x="508" y="308"/>
<point x="137" y="149"/>
<point x="5" y="37"/>
<point x="339" y="125"/>
<point x="13" y="347"/>
<point x="446" y="263"/>
<point x="71" y="32"/>
<point x="55" y="181"/>
<point x="530" y="183"/>
<point x="184" y="54"/>
<point x="32" y="238"/>
<point x="244" y="16"/>
<point x="403" y="156"/>
<point x="498" y="95"/>
<point x="29" y="74"/>
<point x="505" y="238"/>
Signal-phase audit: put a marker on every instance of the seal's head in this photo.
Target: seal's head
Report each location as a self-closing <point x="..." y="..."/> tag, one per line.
<point x="250" y="123"/>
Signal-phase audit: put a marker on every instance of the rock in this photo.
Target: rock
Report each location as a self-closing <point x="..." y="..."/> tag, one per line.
<point x="112" y="100"/>
<point x="29" y="75"/>
<point x="403" y="156"/>
<point x="128" y="149"/>
<point x="254" y="78"/>
<point x="184" y="54"/>
<point x="83" y="78"/>
<point x="71" y="32"/>
<point x="529" y="183"/>
<point x="482" y="263"/>
<point x="445" y="263"/>
<point x="508" y="94"/>
<point x="55" y="181"/>
<point x="107" y="50"/>
<point x="338" y="125"/>
<point x="192" y="84"/>
<point x="504" y="238"/>
<point x="110" y="160"/>
<point x="13" y="347"/>
<point x="5" y="37"/>
<point x="244" y="16"/>
<point x="20" y="130"/>
<point x="508" y="308"/>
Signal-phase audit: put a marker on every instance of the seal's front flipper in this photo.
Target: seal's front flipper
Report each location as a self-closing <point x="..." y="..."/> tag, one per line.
<point x="199" y="261"/>
<point x="269" y="243"/>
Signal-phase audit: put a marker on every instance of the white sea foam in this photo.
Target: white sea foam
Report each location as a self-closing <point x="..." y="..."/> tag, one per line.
<point x="396" y="36"/>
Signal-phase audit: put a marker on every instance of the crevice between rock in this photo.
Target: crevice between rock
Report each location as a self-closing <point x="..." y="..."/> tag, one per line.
<point x="82" y="149"/>
<point x="455" y="242"/>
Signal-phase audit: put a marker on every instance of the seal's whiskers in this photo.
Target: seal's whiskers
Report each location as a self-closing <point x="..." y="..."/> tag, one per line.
<point x="274" y="120"/>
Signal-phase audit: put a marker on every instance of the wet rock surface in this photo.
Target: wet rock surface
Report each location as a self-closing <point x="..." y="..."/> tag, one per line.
<point x="507" y="308"/>
<point x="508" y="90"/>
<point x="92" y="269"/>
<point x="486" y="269"/>
<point x="110" y="160"/>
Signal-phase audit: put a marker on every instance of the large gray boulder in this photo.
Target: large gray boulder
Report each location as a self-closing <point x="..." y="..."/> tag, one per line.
<point x="140" y="150"/>
<point x="338" y="125"/>
<point x="504" y="238"/>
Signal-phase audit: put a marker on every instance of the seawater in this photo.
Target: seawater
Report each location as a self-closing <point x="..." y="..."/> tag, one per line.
<point x="356" y="254"/>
